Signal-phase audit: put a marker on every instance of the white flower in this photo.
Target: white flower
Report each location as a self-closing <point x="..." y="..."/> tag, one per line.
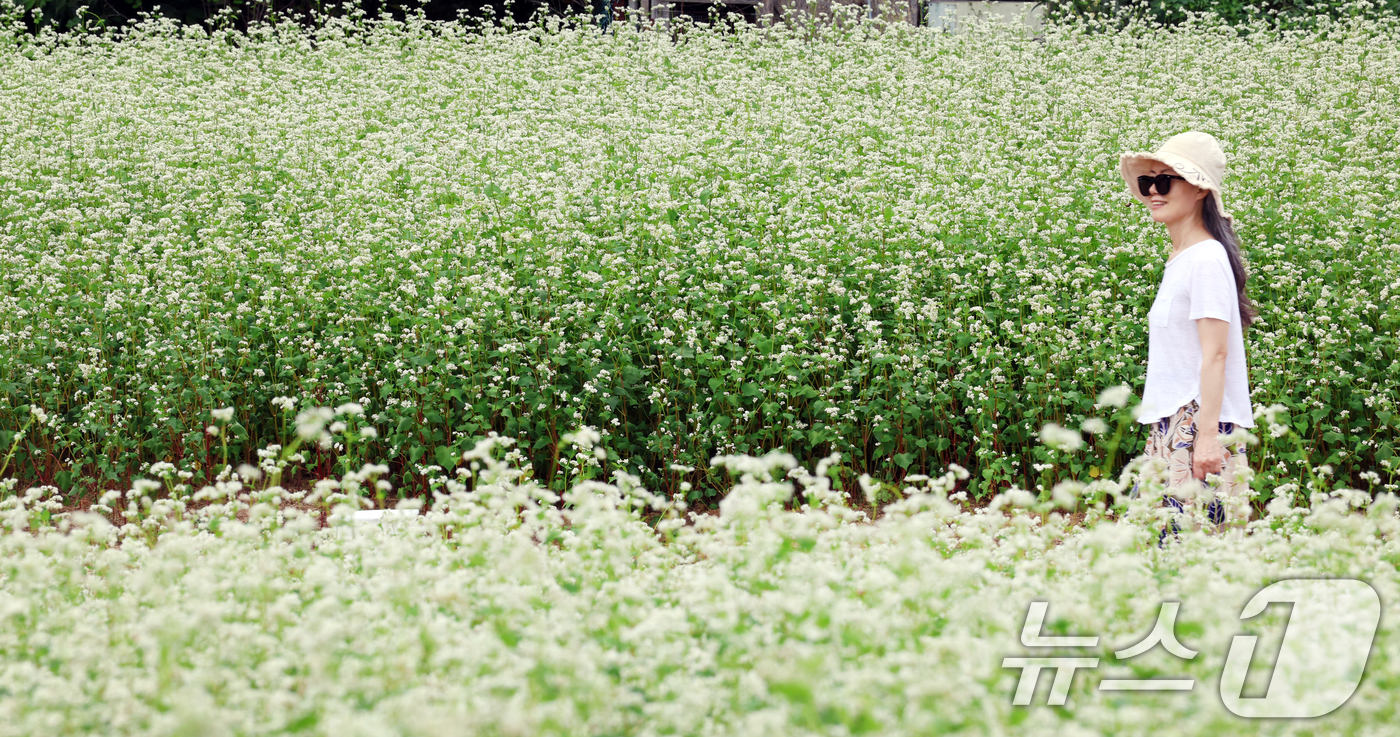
<point x="222" y="415"/>
<point x="584" y="436"/>
<point x="1066" y="494"/>
<point x="1094" y="426"/>
<point x="350" y="408"/>
<point x="40" y="416"/>
<point x="1116" y="396"/>
<point x="1061" y="438"/>
<point x="1270" y="413"/>
<point x="310" y="423"/>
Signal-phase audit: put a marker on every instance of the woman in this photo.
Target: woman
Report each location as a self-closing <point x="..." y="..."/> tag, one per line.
<point x="1197" y="387"/>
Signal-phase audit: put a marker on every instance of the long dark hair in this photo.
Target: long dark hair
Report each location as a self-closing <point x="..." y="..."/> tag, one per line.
<point x="1221" y="230"/>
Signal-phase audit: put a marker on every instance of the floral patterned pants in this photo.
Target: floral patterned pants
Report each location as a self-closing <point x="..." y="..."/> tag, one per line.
<point x="1172" y="440"/>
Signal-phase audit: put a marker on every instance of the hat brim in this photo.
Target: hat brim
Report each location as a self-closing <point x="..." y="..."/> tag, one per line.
<point x="1134" y="164"/>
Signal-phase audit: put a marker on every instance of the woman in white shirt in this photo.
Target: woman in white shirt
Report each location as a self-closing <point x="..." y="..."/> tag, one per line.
<point x="1197" y="387"/>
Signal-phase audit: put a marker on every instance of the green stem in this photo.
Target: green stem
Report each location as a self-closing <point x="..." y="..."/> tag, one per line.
<point x="15" y="446"/>
<point x="1124" y="420"/>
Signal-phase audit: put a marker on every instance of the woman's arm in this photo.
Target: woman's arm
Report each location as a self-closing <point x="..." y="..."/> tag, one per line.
<point x="1208" y="455"/>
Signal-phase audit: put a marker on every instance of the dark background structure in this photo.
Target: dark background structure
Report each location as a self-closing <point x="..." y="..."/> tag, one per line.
<point x="64" y="14"/>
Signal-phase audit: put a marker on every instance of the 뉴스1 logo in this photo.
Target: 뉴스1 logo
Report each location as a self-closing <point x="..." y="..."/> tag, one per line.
<point x="1326" y="643"/>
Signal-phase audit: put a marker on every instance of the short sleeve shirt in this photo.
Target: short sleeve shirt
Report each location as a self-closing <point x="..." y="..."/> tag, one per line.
<point x="1197" y="283"/>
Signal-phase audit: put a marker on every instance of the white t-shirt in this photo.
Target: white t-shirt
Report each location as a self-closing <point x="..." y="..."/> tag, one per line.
<point x="1196" y="283"/>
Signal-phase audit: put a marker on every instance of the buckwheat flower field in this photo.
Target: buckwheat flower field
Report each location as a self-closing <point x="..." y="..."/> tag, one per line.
<point x="910" y="248"/>
<point x="760" y="381"/>
<point x="499" y="611"/>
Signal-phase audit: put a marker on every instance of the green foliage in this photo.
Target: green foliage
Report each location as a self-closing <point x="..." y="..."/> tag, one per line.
<point x="1275" y="13"/>
<point x="90" y="15"/>
<point x="911" y="248"/>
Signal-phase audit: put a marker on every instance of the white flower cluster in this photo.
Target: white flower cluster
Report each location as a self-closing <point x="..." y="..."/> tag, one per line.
<point x="498" y="610"/>
<point x="1063" y="438"/>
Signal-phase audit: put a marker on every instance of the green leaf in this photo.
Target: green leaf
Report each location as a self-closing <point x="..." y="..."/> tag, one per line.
<point x="794" y="691"/>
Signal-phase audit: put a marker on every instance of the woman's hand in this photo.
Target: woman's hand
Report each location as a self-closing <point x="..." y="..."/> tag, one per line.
<point x="1207" y="455"/>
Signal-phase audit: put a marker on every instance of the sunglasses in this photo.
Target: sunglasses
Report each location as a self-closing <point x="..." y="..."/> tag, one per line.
<point x="1163" y="182"/>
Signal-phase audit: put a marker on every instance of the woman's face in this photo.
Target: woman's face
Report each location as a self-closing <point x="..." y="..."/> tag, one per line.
<point x="1182" y="200"/>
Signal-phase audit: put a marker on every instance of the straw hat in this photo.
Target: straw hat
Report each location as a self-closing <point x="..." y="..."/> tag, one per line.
<point x="1193" y="154"/>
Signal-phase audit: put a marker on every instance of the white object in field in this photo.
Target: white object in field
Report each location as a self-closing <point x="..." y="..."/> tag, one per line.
<point x="949" y="14"/>
<point x="382" y="516"/>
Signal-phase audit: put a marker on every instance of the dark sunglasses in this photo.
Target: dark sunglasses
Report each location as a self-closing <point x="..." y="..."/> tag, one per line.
<point x="1163" y="182"/>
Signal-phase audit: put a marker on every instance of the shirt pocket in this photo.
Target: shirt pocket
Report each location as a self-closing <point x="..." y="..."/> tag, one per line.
<point x="1161" y="311"/>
